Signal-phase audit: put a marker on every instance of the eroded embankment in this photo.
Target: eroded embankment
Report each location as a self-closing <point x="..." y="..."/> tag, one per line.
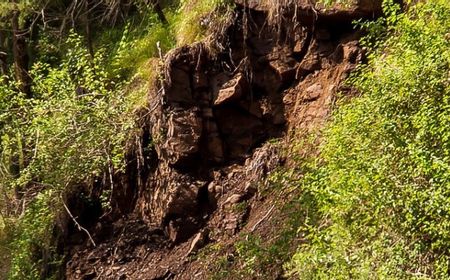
<point x="210" y="123"/>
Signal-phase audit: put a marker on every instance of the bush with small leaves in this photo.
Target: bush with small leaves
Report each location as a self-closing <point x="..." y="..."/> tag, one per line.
<point x="382" y="181"/>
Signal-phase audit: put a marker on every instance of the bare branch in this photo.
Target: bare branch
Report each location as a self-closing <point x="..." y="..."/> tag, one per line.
<point x="80" y="228"/>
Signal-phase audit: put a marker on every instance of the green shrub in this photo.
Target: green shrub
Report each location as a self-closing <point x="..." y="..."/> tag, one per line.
<point x="33" y="252"/>
<point x="5" y="251"/>
<point x="382" y="184"/>
<point x="78" y="122"/>
<point x="74" y="129"/>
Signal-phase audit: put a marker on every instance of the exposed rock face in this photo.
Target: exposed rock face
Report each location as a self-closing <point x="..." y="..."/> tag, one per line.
<point x="338" y="12"/>
<point x="184" y="128"/>
<point x="235" y="186"/>
<point x="210" y="121"/>
<point x="208" y="114"/>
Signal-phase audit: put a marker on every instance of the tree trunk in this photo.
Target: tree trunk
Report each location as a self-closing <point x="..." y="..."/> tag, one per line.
<point x="3" y="58"/>
<point x="87" y="26"/>
<point x="158" y="10"/>
<point x="20" y="53"/>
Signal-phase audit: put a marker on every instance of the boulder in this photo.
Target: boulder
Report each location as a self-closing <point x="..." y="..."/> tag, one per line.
<point x="313" y="92"/>
<point x="285" y="70"/>
<point x="308" y="65"/>
<point x="232" y="90"/>
<point x="300" y="40"/>
<point x="184" y="129"/>
<point x="352" y="52"/>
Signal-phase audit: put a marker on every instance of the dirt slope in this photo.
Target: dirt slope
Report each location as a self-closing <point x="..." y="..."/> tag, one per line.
<point x="211" y="122"/>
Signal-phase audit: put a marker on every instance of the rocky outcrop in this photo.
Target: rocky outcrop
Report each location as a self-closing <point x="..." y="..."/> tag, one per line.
<point x="210" y="120"/>
<point x="215" y="110"/>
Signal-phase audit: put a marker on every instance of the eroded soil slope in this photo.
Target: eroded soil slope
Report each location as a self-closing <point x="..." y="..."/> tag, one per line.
<point x="211" y="123"/>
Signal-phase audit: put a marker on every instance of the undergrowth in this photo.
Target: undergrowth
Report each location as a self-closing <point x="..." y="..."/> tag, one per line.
<point x="73" y="129"/>
<point x="381" y="183"/>
<point x="79" y="121"/>
<point x="373" y="201"/>
<point x="143" y="39"/>
<point x="34" y="251"/>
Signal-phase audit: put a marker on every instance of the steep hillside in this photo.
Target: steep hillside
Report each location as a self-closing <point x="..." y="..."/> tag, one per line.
<point x="244" y="139"/>
<point x="212" y="121"/>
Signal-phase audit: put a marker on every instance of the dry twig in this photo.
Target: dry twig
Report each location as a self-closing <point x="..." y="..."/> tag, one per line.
<point x="80" y="228"/>
<point x="263" y="218"/>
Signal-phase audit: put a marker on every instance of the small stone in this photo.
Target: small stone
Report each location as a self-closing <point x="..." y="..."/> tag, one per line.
<point x="219" y="189"/>
<point x="235" y="198"/>
<point x="197" y="242"/>
<point x="313" y="92"/>
<point x="216" y="175"/>
<point x="308" y="65"/>
<point x="211" y="188"/>
<point x="299" y="45"/>
<point x="214" y="193"/>
<point x="173" y="231"/>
